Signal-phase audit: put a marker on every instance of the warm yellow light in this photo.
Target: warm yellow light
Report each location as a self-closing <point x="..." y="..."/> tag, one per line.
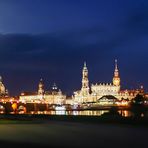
<point x="14" y="106"/>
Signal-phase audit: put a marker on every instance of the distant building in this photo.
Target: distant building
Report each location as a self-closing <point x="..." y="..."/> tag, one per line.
<point x="54" y="96"/>
<point x="107" y="100"/>
<point x="97" y="91"/>
<point x="103" y="89"/>
<point x="146" y="95"/>
<point x="69" y="100"/>
<point x="3" y="90"/>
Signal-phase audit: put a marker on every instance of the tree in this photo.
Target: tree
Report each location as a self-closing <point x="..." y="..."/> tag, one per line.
<point x="137" y="106"/>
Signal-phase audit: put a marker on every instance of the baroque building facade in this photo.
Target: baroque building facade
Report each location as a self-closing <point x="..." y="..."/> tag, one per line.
<point x="97" y="91"/>
<point x="54" y="96"/>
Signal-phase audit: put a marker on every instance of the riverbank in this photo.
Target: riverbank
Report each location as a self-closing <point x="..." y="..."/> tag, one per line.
<point x="37" y="119"/>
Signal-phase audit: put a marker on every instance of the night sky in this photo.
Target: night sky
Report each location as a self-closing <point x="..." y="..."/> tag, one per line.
<point x="51" y="39"/>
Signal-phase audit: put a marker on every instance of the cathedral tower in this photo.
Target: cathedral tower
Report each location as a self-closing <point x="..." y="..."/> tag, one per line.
<point x="85" y="81"/>
<point x="116" y="78"/>
<point x="41" y="87"/>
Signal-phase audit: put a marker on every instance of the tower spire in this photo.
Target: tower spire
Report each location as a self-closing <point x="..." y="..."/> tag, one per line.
<point x="85" y="64"/>
<point x="116" y="64"/>
<point x="116" y="78"/>
<point x="85" y="81"/>
<point x="116" y="72"/>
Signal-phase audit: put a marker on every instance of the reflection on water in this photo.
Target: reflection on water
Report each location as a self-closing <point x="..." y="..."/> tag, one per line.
<point x="124" y="113"/>
<point x="87" y="112"/>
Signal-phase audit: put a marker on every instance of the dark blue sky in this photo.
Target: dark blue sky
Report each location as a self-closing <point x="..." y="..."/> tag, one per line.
<point x="52" y="38"/>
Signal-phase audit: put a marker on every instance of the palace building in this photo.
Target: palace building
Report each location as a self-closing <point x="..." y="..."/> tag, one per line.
<point x="96" y="91"/>
<point x="54" y="96"/>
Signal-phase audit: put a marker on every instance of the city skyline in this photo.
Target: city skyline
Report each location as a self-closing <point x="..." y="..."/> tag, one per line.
<point x="50" y="86"/>
<point x="51" y="40"/>
<point x="73" y="73"/>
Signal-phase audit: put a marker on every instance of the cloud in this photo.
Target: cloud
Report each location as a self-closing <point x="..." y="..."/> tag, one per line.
<point x="60" y="56"/>
<point x="136" y="21"/>
<point x="26" y="51"/>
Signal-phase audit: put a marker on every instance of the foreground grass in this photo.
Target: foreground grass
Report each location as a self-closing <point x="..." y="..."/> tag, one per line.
<point x="10" y="121"/>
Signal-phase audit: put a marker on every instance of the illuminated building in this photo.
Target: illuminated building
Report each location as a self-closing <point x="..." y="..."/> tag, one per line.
<point x="55" y="96"/>
<point x="97" y="91"/>
<point x="107" y="100"/>
<point x="84" y="94"/>
<point x="102" y="89"/>
<point x="3" y="91"/>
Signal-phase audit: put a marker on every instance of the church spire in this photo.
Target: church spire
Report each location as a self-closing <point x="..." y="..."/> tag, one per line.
<point x="116" y="73"/>
<point x="116" y="78"/>
<point x="85" y="81"/>
<point x="116" y="64"/>
<point x="85" y="64"/>
<point x="85" y="67"/>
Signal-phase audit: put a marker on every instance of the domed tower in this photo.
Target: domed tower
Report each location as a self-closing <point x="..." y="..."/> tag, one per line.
<point x="54" y="87"/>
<point x="85" y="81"/>
<point x="41" y="87"/>
<point x="2" y="87"/>
<point x="116" y="78"/>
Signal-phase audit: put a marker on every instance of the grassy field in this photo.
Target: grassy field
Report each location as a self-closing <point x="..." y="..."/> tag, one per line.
<point x="72" y="131"/>
<point x="71" y="134"/>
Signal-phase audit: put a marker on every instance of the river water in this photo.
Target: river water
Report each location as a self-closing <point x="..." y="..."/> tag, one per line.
<point x="124" y="113"/>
